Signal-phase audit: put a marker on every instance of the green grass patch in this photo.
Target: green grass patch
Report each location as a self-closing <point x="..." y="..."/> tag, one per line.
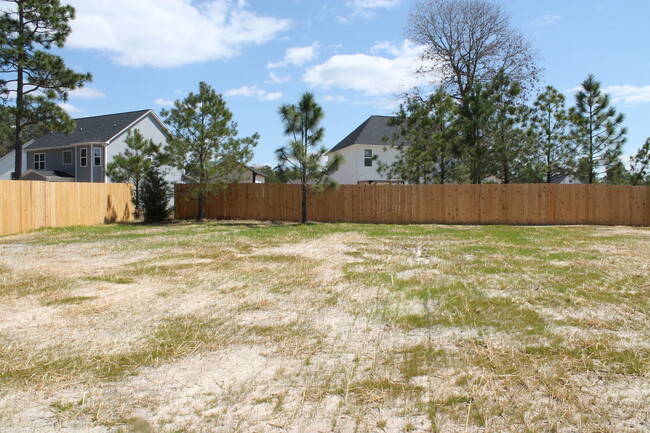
<point x="70" y="300"/>
<point x="174" y="338"/>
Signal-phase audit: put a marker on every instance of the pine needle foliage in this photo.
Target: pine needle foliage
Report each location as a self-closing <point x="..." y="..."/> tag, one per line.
<point x="35" y="78"/>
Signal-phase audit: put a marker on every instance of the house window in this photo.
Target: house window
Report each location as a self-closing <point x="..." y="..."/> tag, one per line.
<point x="39" y="161"/>
<point x="67" y="157"/>
<point x="367" y="157"/>
<point x="83" y="157"/>
<point x="97" y="156"/>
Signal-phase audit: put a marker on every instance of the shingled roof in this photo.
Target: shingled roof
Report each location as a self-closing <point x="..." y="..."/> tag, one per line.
<point x="97" y="129"/>
<point x="371" y="132"/>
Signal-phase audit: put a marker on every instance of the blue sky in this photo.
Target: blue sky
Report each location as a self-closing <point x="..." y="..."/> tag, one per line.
<point x="351" y="53"/>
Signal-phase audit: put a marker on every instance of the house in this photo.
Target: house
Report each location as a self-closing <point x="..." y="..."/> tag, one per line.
<point x="245" y="174"/>
<point x="362" y="149"/>
<point x="8" y="165"/>
<point x="567" y="178"/>
<point x="82" y="155"/>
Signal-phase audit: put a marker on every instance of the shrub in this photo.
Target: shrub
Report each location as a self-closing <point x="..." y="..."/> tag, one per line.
<point x="155" y="196"/>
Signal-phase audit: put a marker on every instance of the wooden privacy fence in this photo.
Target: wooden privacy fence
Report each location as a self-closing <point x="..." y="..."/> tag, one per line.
<point x="28" y="205"/>
<point x="445" y="204"/>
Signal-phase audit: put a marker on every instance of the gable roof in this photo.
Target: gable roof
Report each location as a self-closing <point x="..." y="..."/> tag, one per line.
<point x="49" y="175"/>
<point x="372" y="132"/>
<point x="96" y="129"/>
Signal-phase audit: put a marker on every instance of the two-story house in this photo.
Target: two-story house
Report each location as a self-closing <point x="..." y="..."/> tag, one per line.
<point x="82" y="156"/>
<point x="362" y="149"/>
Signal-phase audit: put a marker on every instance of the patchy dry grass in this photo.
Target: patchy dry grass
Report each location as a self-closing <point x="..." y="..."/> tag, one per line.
<point x="267" y="327"/>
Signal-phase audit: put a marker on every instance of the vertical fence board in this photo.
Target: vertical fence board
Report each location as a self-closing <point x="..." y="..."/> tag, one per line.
<point x="406" y="204"/>
<point x="28" y="205"/>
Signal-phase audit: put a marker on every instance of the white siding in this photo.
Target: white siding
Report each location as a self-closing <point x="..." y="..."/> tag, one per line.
<point x="8" y="163"/>
<point x="353" y="170"/>
<point x="346" y="174"/>
<point x="150" y="129"/>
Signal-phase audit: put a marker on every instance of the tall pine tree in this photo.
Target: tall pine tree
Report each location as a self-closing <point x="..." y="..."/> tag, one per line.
<point x="475" y="148"/>
<point x="508" y="138"/>
<point x="36" y="78"/>
<point x="549" y="129"/>
<point x="425" y="140"/>
<point x="640" y="165"/>
<point x="597" y="128"/>
<point x="303" y="156"/>
<point x="205" y="145"/>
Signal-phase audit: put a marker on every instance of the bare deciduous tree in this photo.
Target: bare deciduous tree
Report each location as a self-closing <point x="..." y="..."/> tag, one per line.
<point x="468" y="42"/>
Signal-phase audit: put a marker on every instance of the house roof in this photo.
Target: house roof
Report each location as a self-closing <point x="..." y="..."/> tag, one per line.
<point x="371" y="132"/>
<point x="50" y="175"/>
<point x="96" y="129"/>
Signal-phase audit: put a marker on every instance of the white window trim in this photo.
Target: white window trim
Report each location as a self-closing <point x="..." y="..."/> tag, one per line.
<point x="83" y="156"/>
<point x="97" y="155"/>
<point x="63" y="157"/>
<point x="39" y="162"/>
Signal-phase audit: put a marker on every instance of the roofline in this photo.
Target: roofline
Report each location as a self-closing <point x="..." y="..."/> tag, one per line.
<point x="149" y="111"/>
<point x="112" y="114"/>
<point x="127" y="127"/>
<point x="24" y="148"/>
<point x="11" y="153"/>
<point x="48" y="178"/>
<point x="87" y="143"/>
<point x="383" y="145"/>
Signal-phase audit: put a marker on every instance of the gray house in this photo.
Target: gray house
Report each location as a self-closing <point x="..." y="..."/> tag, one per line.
<point x="82" y="156"/>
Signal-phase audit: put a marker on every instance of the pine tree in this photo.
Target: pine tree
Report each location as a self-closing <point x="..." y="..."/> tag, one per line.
<point x="549" y="128"/>
<point x="303" y="155"/>
<point x="155" y="196"/>
<point x="640" y="165"/>
<point x="133" y="165"/>
<point x="475" y="148"/>
<point x="509" y="144"/>
<point x="204" y="145"/>
<point x="597" y="128"/>
<point x="425" y="140"/>
<point x="37" y="78"/>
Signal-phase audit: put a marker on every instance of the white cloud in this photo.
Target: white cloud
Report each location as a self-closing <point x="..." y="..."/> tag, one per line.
<point x="297" y="56"/>
<point x="546" y="20"/>
<point x="69" y="108"/>
<point x="365" y="8"/>
<point x="372" y="75"/>
<point x="254" y="91"/>
<point x="164" y="102"/>
<point x="335" y="98"/>
<point x="629" y="94"/>
<point x="276" y="79"/>
<point x="87" y="92"/>
<point x="167" y="33"/>
<point x="373" y="4"/>
<point x="626" y="94"/>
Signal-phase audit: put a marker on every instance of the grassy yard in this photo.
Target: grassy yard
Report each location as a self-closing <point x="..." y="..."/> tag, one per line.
<point x="255" y="327"/>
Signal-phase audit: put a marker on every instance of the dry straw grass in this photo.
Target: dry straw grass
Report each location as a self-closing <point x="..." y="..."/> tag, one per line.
<point x="260" y="327"/>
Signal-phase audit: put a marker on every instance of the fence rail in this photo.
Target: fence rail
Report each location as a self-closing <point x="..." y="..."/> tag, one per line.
<point x="28" y="205"/>
<point x="445" y="204"/>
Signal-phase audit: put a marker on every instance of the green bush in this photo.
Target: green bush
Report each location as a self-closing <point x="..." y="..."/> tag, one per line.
<point x="155" y="196"/>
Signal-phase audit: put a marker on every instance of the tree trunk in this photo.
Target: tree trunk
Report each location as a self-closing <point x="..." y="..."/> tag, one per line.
<point x="303" y="218"/>
<point x="18" y="145"/>
<point x="201" y="214"/>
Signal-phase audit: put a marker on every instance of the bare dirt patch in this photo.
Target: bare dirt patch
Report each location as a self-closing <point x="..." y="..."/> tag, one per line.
<point x="269" y="328"/>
